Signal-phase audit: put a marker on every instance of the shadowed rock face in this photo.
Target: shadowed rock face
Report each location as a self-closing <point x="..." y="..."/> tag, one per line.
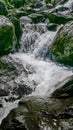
<point x="7" y="36"/>
<point x="15" y="125"/>
<point x="65" y="90"/>
<point x="3" y="9"/>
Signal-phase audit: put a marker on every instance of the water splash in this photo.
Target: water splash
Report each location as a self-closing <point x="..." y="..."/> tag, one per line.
<point x="44" y="75"/>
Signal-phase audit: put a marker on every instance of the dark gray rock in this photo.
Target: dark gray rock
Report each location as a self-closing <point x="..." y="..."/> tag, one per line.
<point x="64" y="91"/>
<point x="32" y="111"/>
<point x="11" y="74"/>
<point x="14" y="124"/>
<point x="7" y="36"/>
<point x="3" y="93"/>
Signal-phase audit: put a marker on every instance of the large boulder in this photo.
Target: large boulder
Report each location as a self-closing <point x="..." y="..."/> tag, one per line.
<point x="7" y="36"/>
<point x="34" y="113"/>
<point x="62" y="48"/>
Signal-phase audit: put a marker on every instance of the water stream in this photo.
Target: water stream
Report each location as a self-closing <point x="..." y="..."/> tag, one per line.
<point x="40" y="73"/>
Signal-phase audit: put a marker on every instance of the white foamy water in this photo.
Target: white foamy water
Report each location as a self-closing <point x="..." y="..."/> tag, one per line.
<point x="38" y="72"/>
<point x="46" y="75"/>
<point x="69" y="4"/>
<point x="42" y="75"/>
<point x="7" y="107"/>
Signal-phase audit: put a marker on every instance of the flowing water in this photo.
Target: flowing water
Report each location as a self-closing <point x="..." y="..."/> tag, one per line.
<point x="40" y="73"/>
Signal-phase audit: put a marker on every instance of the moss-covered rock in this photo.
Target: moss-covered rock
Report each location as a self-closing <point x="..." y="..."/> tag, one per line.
<point x="18" y="3"/>
<point x="62" y="48"/>
<point x="7" y="36"/>
<point x="60" y="19"/>
<point x="37" y="18"/>
<point x="3" y="9"/>
<point x="18" y="29"/>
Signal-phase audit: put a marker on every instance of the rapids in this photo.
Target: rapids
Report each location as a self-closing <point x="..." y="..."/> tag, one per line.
<point x="40" y="72"/>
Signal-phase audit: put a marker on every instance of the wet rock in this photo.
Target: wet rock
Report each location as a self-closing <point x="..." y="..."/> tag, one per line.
<point x="11" y="99"/>
<point x="52" y="27"/>
<point x="64" y="91"/>
<point x="37" y="18"/>
<point x="25" y="20"/>
<point x="59" y="18"/>
<point x="17" y="13"/>
<point x="3" y="9"/>
<point x="3" y="93"/>
<point x="1" y="105"/>
<point x="36" y="113"/>
<point x="63" y="115"/>
<point x="14" y="124"/>
<point x="64" y="125"/>
<point x="18" y="30"/>
<point x="12" y="76"/>
<point x="62" y="48"/>
<point x="7" y="42"/>
<point x="22" y="90"/>
<point x="18" y="3"/>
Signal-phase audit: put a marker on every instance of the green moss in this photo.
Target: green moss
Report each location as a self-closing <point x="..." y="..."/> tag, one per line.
<point x="62" y="49"/>
<point x="7" y="36"/>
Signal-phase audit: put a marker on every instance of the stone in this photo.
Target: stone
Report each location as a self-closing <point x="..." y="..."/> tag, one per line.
<point x="7" y="36"/>
<point x="12" y="77"/>
<point x="25" y="20"/>
<point x="18" y="3"/>
<point x="64" y="91"/>
<point x="18" y="30"/>
<point x="3" y="93"/>
<point x="37" y="18"/>
<point x="3" y="9"/>
<point x="14" y="124"/>
<point x="33" y="110"/>
<point x="59" y="18"/>
<point x="62" y="47"/>
<point x="52" y="27"/>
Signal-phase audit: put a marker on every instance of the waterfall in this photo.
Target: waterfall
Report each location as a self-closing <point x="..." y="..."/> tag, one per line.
<point x="42" y="75"/>
<point x="33" y="66"/>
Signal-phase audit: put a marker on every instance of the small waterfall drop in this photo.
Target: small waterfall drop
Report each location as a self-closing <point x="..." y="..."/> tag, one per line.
<point x="42" y="75"/>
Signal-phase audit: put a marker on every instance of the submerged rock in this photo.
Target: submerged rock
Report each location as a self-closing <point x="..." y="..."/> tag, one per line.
<point x="7" y="36"/>
<point x="62" y="48"/>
